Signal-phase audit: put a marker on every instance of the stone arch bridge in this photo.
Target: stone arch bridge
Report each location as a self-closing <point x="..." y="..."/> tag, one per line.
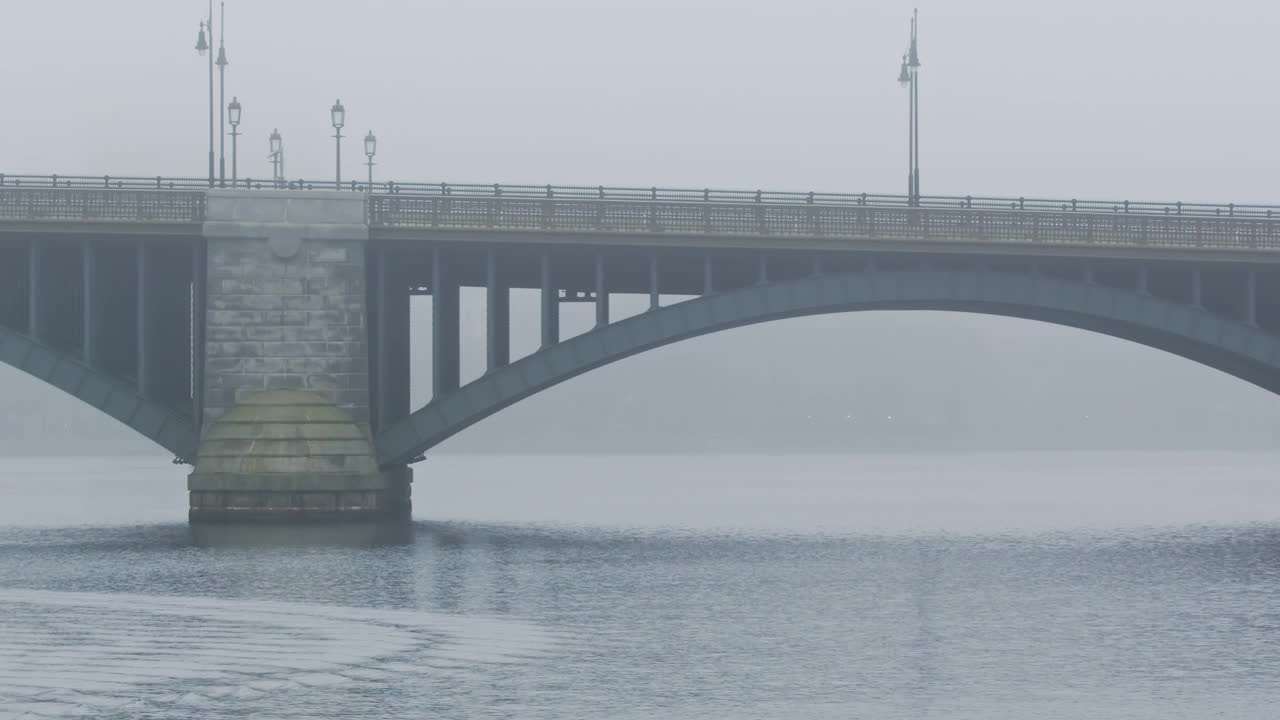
<point x="169" y="305"/>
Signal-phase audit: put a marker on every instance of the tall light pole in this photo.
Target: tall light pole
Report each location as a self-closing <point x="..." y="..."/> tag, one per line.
<point x="202" y="47"/>
<point x="277" y="157"/>
<point x="370" y="148"/>
<point x="339" y="116"/>
<point x="233" y="117"/>
<point x="222" y="93"/>
<point x="909" y="77"/>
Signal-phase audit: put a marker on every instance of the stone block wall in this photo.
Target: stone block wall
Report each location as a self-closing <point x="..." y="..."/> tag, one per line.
<point x="285" y="301"/>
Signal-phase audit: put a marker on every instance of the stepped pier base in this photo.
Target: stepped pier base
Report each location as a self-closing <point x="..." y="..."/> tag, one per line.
<point x="292" y="456"/>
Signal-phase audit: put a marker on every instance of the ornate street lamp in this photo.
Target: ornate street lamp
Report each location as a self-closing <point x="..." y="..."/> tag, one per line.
<point x="221" y="62"/>
<point x="277" y="157"/>
<point x="339" y="116"/>
<point x="370" y="149"/>
<point x="909" y="77"/>
<point x="233" y="117"/>
<point x="202" y="47"/>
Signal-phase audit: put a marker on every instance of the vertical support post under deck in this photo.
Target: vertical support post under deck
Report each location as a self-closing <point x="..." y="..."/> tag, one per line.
<point x="381" y="381"/>
<point x="143" y="313"/>
<point x="34" y="264"/>
<point x="1144" y="285"/>
<point x="708" y="276"/>
<point x="1251" y="297"/>
<point x="762" y="270"/>
<point x="446" y="340"/>
<point x="1197" y="288"/>
<point x="816" y="269"/>
<point x="550" y="305"/>
<point x="498" y="302"/>
<point x="397" y="342"/>
<point x="653" y="282"/>
<point x="88" y="328"/>
<point x="199" y="291"/>
<point x="602" y="293"/>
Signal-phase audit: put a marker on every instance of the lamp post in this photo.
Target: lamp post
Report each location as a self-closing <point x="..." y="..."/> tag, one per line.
<point x="339" y="116"/>
<point x="233" y="117"/>
<point x="909" y="77"/>
<point x="221" y="62"/>
<point x="277" y="157"/>
<point x="370" y="148"/>
<point x="202" y="47"/>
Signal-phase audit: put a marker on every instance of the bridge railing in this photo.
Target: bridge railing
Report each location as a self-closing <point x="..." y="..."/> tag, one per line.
<point x="680" y="211"/>
<point x="652" y="194"/>
<point x="967" y="222"/>
<point x="51" y="203"/>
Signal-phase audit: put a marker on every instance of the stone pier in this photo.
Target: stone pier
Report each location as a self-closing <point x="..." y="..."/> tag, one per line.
<point x="286" y="427"/>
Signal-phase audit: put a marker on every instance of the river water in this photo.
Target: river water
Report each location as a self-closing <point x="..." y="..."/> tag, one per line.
<point x="957" y="586"/>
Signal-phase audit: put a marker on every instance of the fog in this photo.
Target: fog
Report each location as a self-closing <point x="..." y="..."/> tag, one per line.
<point x="1138" y="100"/>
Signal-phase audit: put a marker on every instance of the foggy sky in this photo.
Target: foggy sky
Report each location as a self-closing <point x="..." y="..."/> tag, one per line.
<point x="1138" y="100"/>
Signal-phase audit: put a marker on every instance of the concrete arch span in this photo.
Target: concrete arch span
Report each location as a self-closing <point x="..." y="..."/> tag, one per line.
<point x="1232" y="346"/>
<point x="164" y="426"/>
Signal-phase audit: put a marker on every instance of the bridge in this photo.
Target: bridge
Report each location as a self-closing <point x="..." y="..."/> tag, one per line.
<point x="261" y="332"/>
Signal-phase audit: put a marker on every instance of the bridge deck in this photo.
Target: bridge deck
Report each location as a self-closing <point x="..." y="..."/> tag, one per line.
<point x="680" y="216"/>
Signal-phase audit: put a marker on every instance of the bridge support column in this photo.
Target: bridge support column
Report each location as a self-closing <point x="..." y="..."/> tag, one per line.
<point x="34" y="287"/>
<point x="602" y="294"/>
<point x="286" y="374"/>
<point x="445" y="332"/>
<point x="142" y="320"/>
<point x="654" y="301"/>
<point x="389" y="336"/>
<point x="1251" y="297"/>
<point x="497" y="314"/>
<point x="550" y="305"/>
<point x="89" y="311"/>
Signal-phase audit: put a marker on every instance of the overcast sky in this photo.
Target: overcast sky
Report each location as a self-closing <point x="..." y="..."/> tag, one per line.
<point x="1122" y="99"/>
<point x="1126" y="99"/>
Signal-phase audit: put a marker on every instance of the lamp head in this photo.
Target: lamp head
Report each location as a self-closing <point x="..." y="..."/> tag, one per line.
<point x="276" y="142"/>
<point x="370" y="144"/>
<point x="202" y="45"/>
<point x="339" y="114"/>
<point x="233" y="112"/>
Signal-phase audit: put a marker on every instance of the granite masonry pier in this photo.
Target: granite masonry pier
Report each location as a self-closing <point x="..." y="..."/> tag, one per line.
<point x="286" y="431"/>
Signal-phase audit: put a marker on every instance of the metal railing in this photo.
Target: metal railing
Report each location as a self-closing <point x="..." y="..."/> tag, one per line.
<point x="602" y="192"/>
<point x="889" y="223"/>
<point x="47" y="204"/>
<point x="682" y="211"/>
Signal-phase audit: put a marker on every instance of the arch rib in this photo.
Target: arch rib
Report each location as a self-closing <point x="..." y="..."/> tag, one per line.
<point x="1234" y="347"/>
<point x="162" y="425"/>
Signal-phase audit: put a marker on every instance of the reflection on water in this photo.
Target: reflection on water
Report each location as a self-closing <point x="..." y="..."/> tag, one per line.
<point x="1026" y="598"/>
<point x="354" y="534"/>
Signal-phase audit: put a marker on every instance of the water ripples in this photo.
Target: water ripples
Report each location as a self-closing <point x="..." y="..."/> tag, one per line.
<point x="67" y="654"/>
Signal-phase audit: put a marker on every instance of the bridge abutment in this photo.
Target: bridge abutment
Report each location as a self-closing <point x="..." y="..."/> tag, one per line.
<point x="286" y="402"/>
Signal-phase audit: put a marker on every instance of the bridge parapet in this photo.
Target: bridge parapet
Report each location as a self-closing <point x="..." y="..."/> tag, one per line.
<point x="676" y="212"/>
<point x="1092" y="226"/>
<point x="26" y="204"/>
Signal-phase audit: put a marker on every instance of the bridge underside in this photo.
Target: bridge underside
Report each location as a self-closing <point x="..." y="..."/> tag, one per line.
<point x="1224" y="317"/>
<point x="108" y="320"/>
